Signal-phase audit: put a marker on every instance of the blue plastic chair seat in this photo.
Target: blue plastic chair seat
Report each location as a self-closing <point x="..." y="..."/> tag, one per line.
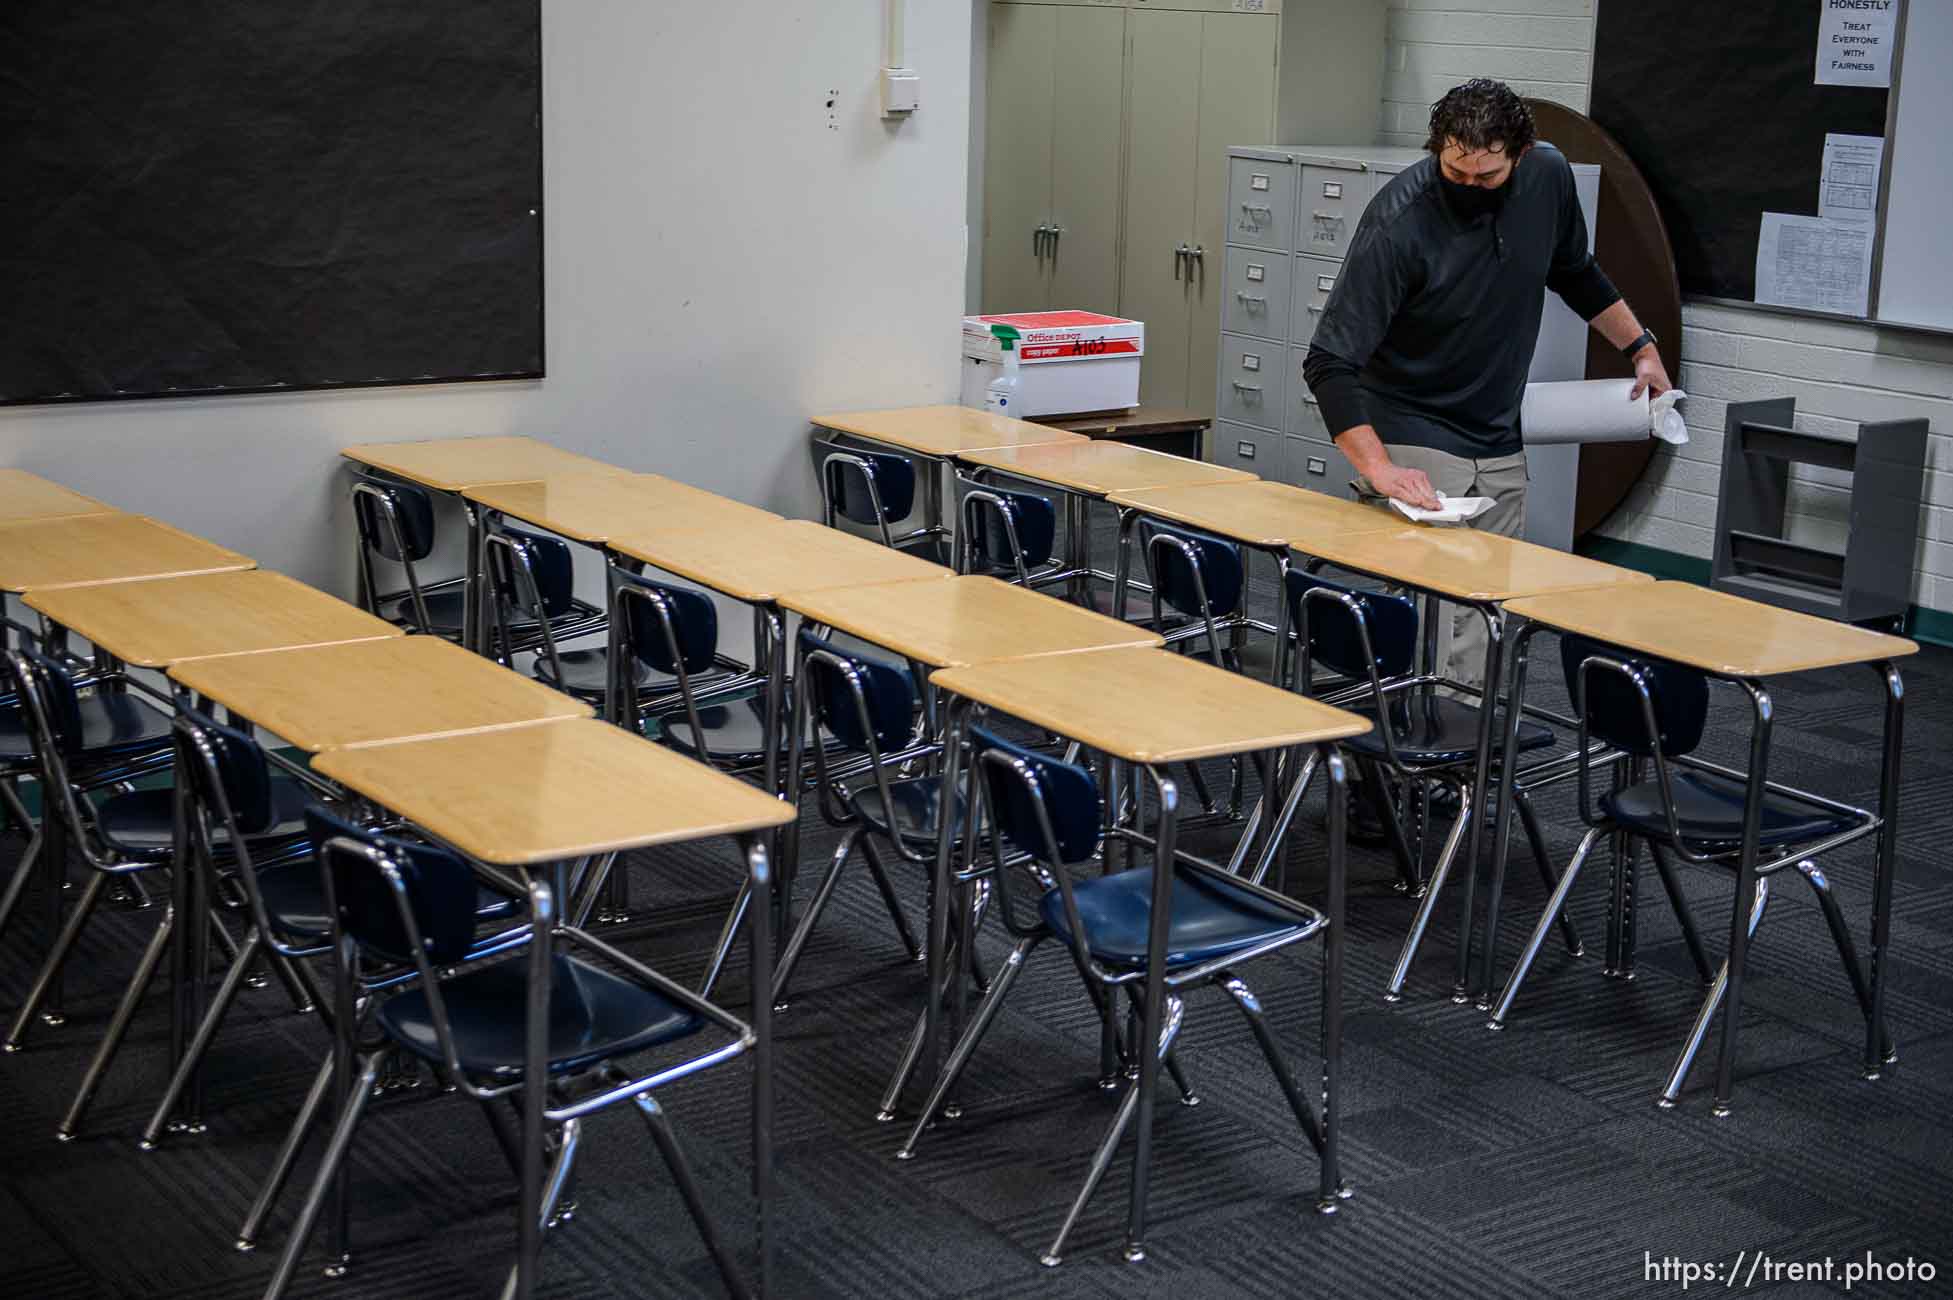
<point x="114" y="724"/>
<point x="593" y="1016"/>
<point x="294" y="897"/>
<point x="1434" y="729"/>
<point x="936" y="550"/>
<point x="587" y="672"/>
<point x="918" y="805"/>
<point x="1211" y="918"/>
<point x="1709" y="813"/>
<point x="140" y="824"/>
<point x="735" y="733"/>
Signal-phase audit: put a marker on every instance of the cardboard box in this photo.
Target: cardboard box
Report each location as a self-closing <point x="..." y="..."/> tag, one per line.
<point x="1069" y="361"/>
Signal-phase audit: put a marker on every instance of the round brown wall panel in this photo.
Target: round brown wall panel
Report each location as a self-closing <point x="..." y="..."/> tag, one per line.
<point x="1632" y="246"/>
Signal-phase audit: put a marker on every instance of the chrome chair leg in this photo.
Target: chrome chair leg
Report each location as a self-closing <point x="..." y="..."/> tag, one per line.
<point x="1847" y="950"/>
<point x="791" y="956"/>
<point x="904" y="1068"/>
<point x="498" y="1124"/>
<point x="1250" y="1007"/>
<point x="966" y="1045"/>
<point x="659" y="1123"/>
<point x="1672" y="1090"/>
<point x="23" y="872"/>
<point x="57" y="958"/>
<point x="281" y="1168"/>
<point x="735" y="925"/>
<point x="1175" y="1013"/>
<point x="304" y="1001"/>
<point x="559" y="1172"/>
<point x="889" y="900"/>
<point x="315" y="1199"/>
<point x="1529" y="819"/>
<point x="213" y="1019"/>
<point x="118" y="1025"/>
<point x="1429" y="903"/>
<point x="1684" y="917"/>
<point x="1620" y="963"/>
<point x="1538" y="938"/>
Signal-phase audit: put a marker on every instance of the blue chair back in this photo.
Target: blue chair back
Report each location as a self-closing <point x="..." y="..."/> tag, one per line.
<point x="1679" y="696"/>
<point x="1032" y="517"/>
<point x="1040" y="790"/>
<point x="550" y="564"/>
<point x="694" y="623"/>
<point x="413" y="510"/>
<point x="847" y="485"/>
<point x="1335" y="640"/>
<point x="1218" y="563"/>
<point x="440" y="890"/>
<point x="240" y="768"/>
<point x="54" y="687"/>
<point x="887" y="697"/>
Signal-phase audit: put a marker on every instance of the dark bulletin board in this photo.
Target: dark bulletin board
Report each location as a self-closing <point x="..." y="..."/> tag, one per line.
<point x="1716" y="104"/>
<point x="207" y="196"/>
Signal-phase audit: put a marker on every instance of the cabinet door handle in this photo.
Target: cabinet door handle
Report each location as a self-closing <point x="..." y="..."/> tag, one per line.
<point x="1180" y="256"/>
<point x="1037" y="242"/>
<point x="1051" y="241"/>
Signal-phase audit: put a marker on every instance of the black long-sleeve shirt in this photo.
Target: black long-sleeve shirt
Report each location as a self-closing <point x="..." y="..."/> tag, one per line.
<point x="1430" y="330"/>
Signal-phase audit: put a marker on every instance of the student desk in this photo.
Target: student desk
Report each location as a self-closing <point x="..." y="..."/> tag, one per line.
<point x="1481" y="571"/>
<point x="326" y="698"/>
<point x="1745" y="642"/>
<point x="83" y="550"/>
<point x="539" y="797"/>
<point x="1262" y="516"/>
<point x="963" y="620"/>
<point x="1092" y="471"/>
<point x="29" y="496"/>
<point x="1150" y="709"/>
<point x="937" y="435"/>
<point x="593" y="507"/>
<point x="757" y="566"/>
<point x="167" y="621"/>
<point x="453" y="465"/>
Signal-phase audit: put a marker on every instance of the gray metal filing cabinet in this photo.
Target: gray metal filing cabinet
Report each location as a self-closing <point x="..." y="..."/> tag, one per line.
<point x="1292" y="213"/>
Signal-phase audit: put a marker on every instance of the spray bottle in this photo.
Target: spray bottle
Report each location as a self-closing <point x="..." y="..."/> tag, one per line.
<point x="1001" y="395"/>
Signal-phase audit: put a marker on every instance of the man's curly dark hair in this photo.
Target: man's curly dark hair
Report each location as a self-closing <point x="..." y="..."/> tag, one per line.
<point x="1480" y="114"/>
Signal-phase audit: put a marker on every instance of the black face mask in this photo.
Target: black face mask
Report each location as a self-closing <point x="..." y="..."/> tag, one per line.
<point x="1471" y="202"/>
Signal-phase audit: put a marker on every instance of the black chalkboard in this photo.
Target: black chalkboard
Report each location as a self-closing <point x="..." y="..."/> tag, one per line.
<point x="1717" y="105"/>
<point x="207" y="196"/>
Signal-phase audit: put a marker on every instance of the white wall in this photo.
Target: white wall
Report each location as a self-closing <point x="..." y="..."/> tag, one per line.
<point x="721" y="261"/>
<point x="1839" y="372"/>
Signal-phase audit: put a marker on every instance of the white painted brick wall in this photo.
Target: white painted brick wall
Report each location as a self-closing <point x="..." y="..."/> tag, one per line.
<point x="1839" y="372"/>
<point x="1543" y="47"/>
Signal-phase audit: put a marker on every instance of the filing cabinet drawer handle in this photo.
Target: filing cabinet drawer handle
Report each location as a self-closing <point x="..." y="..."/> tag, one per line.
<point x="1336" y="217"/>
<point x="1258" y="208"/>
<point x="1318" y="310"/>
<point x="1251" y="299"/>
<point x="1240" y="387"/>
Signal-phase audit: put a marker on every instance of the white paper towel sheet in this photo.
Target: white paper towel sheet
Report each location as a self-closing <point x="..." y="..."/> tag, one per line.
<point x="1599" y="410"/>
<point x="1451" y="510"/>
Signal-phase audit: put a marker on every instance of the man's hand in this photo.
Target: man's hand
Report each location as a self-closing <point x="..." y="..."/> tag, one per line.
<point x="1411" y="486"/>
<point x="1650" y="376"/>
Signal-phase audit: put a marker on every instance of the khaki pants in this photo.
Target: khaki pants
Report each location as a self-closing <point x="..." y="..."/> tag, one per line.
<point x="1461" y="632"/>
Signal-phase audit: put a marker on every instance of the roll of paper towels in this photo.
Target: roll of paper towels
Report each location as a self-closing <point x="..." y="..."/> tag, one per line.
<point x="1599" y="410"/>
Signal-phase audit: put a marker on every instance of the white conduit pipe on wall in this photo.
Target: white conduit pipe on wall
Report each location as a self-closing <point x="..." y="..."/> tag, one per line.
<point x="901" y="87"/>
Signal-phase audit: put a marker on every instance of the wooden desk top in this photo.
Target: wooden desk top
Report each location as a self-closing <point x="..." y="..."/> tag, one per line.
<point x="1102" y="468"/>
<point x="541" y="794"/>
<point x="1466" y="564"/>
<point x="964" y="620"/>
<point x="452" y="464"/>
<point x="29" y="496"/>
<point x="1259" y="513"/>
<point x="1150" y="706"/>
<point x="593" y="507"/>
<point x="374" y="692"/>
<point x="764" y="563"/>
<point x="82" y="550"/>
<point x="1141" y="421"/>
<point x="943" y="430"/>
<point x="169" y="620"/>
<point x="1711" y="630"/>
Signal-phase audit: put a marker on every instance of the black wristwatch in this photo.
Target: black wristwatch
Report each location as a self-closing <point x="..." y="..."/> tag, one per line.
<point x="1641" y="340"/>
